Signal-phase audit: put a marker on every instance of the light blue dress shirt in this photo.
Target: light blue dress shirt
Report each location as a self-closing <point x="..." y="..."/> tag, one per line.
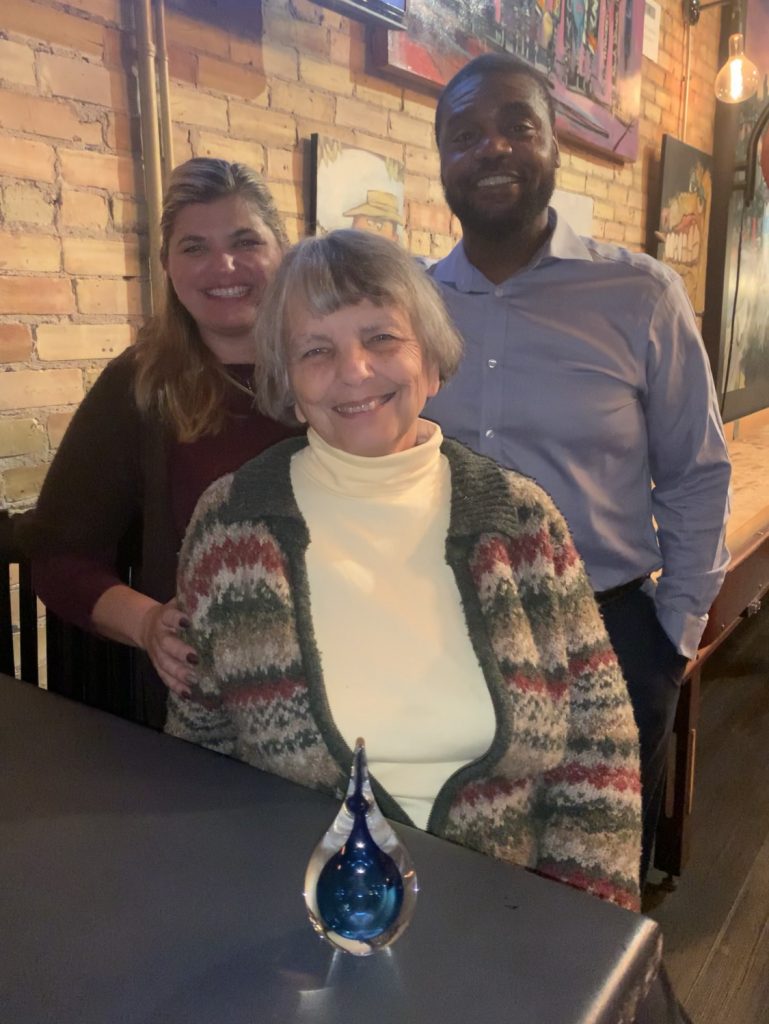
<point x="585" y="370"/>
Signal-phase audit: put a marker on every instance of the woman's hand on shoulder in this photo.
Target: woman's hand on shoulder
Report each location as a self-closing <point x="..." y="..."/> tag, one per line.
<point x="174" y="660"/>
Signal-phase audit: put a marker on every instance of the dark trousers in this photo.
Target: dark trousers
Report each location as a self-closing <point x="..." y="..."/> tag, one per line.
<point x="653" y="670"/>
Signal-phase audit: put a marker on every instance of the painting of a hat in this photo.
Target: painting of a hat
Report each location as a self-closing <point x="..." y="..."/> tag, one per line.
<point x="383" y="205"/>
<point x="356" y="188"/>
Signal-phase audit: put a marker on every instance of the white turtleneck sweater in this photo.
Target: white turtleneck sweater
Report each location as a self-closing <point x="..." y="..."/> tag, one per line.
<point x="398" y="665"/>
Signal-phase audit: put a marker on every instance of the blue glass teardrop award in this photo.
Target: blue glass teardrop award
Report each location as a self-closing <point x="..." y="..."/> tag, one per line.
<point x="360" y="887"/>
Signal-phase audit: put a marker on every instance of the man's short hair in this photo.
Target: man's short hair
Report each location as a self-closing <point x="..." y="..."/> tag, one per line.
<point x="495" y="64"/>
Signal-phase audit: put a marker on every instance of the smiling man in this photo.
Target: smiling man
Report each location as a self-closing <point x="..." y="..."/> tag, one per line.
<point x="583" y="369"/>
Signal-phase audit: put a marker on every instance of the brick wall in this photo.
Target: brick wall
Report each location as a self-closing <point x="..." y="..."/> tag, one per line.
<point x="73" y="281"/>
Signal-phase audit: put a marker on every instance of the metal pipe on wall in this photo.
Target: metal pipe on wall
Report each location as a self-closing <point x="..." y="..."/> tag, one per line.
<point x="164" y="92"/>
<point x="148" y="117"/>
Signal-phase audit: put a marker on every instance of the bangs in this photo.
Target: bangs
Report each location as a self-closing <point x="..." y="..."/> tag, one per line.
<point x="325" y="276"/>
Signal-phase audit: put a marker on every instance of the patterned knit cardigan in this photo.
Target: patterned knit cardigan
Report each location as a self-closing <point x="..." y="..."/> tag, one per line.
<point x="558" y="789"/>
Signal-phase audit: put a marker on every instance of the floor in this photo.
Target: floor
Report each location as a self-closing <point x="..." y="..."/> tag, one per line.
<point x="716" y="921"/>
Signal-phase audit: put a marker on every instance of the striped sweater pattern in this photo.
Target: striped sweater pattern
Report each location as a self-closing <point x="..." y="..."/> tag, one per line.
<point x="558" y="789"/>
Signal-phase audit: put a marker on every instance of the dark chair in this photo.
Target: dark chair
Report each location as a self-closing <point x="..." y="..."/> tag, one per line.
<point x="27" y="666"/>
<point x="79" y="665"/>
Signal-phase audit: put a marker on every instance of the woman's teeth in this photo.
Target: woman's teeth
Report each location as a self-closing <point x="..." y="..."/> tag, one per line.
<point x="228" y="293"/>
<point x="365" y="406"/>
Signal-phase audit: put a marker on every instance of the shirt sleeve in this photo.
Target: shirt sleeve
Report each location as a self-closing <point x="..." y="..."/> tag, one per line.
<point x="690" y="470"/>
<point x="204" y="716"/>
<point x="71" y="584"/>
<point x="590" y="803"/>
<point x="90" y="497"/>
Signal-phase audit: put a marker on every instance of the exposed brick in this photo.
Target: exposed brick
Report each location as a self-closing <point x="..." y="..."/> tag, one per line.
<point x="182" y="143"/>
<point x="127" y="214"/>
<point x="329" y="77"/>
<point x="15" y="343"/>
<point x="307" y="38"/>
<point x="83" y="210"/>
<point x="22" y="158"/>
<point x="210" y="144"/>
<point x="419" y="106"/>
<point x="378" y="92"/>
<point x="182" y="64"/>
<point x="376" y="144"/>
<point x="194" y="34"/>
<point x="24" y="482"/>
<point x="283" y="165"/>
<point x="30" y="389"/>
<point x="232" y="79"/>
<point x="339" y="48"/>
<point x="80" y="80"/>
<point x="91" y="375"/>
<point x="422" y="217"/>
<point x="28" y="204"/>
<point x="269" y="127"/>
<point x="40" y="253"/>
<point x="301" y="101"/>
<point x="119" y="49"/>
<point x="36" y="295"/>
<point x="279" y="62"/>
<point x="56" y="426"/>
<point x="82" y="341"/>
<point x="416" y="189"/>
<point x="572" y="181"/>
<point x="306" y="127"/>
<point x="17" y="63"/>
<point x="42" y="21"/>
<point x="423" y="161"/>
<point x="287" y="198"/>
<point x="193" y="107"/>
<point x="107" y="10"/>
<point x="101" y="256"/>
<point x="306" y="10"/>
<point x="441" y="245"/>
<point x="419" y="243"/>
<point x="99" y="170"/>
<point x="355" y="114"/>
<point x="20" y="436"/>
<point x="123" y="132"/>
<point x="410" y="129"/>
<point x="55" y="118"/>
<point x="109" y="296"/>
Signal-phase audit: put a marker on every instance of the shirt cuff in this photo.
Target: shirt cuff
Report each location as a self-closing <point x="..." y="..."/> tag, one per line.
<point x="684" y="630"/>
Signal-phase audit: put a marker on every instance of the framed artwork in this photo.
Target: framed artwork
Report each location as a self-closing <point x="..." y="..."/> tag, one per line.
<point x="354" y="188"/>
<point x="390" y="12"/>
<point x="686" y="196"/>
<point x="590" y="51"/>
<point x="736" y="323"/>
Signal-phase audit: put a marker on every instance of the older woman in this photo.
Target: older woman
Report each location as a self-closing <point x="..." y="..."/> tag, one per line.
<point x="164" y="419"/>
<point x="375" y="579"/>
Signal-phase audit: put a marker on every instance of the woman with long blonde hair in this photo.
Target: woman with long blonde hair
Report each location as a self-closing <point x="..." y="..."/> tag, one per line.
<point x="165" y="418"/>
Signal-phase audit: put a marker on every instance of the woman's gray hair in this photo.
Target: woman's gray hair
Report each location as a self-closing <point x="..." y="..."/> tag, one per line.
<point x="322" y="275"/>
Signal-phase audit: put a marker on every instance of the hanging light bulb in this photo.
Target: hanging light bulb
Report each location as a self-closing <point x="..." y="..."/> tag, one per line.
<point x="738" y="78"/>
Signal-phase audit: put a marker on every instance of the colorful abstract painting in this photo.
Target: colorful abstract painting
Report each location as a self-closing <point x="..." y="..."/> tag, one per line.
<point x="744" y="370"/>
<point x="354" y="188"/>
<point x="686" y="198"/>
<point x="589" y="49"/>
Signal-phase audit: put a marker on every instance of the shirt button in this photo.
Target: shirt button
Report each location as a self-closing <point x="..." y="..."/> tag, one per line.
<point x="489" y="433"/>
<point x="499" y="292"/>
<point x="492" y="363"/>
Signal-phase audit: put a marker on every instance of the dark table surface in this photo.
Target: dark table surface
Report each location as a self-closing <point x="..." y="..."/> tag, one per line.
<point x="146" y="880"/>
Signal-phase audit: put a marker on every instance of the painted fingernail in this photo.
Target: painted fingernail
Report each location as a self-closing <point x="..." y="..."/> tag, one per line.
<point x="185" y="623"/>
<point x="193" y="659"/>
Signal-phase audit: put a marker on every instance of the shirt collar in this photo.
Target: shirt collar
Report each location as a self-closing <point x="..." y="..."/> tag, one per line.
<point x="561" y="244"/>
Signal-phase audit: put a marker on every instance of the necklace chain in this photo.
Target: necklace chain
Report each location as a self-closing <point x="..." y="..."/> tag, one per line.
<point x="247" y="386"/>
